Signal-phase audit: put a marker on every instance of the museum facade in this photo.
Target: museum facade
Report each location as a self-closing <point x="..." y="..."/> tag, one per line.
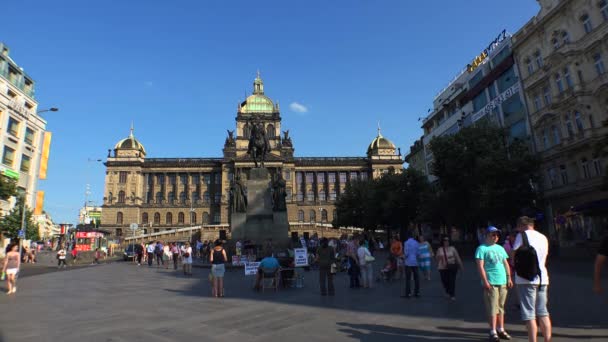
<point x="161" y="194"/>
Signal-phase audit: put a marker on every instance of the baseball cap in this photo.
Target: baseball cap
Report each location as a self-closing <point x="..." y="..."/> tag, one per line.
<point x="492" y="229"/>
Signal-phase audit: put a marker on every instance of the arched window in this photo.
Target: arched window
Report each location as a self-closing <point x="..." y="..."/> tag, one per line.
<point x="121" y="197"/>
<point x="270" y="131"/>
<point x="159" y="197"/>
<point x="312" y="215"/>
<point x="156" y="218"/>
<point x="587" y="25"/>
<point x="323" y="215"/>
<point x="119" y="217"/>
<point x="180" y="218"/>
<point x="171" y="197"/>
<point x="193" y="218"/>
<point x="206" y="197"/>
<point x="205" y="218"/>
<point x="300" y="215"/>
<point x="110" y="198"/>
<point x="169" y="218"/>
<point x="182" y="197"/>
<point x="144" y="218"/>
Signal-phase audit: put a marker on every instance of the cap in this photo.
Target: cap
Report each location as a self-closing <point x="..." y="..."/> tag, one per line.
<point x="492" y="229"/>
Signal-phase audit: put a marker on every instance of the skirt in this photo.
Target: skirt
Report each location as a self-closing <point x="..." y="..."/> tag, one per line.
<point x="12" y="271"/>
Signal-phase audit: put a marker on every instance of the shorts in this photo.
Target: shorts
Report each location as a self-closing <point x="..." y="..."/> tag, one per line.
<point x="495" y="299"/>
<point x="218" y="270"/>
<point x="12" y="271"/>
<point x="533" y="301"/>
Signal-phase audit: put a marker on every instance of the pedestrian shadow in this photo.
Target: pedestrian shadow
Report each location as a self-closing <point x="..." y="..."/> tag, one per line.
<point x="524" y="334"/>
<point x="385" y="333"/>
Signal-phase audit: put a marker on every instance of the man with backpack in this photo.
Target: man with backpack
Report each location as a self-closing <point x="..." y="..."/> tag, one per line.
<point x="158" y="250"/>
<point x="532" y="279"/>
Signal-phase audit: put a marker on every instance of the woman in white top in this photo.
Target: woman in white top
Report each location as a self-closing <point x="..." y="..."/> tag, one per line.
<point x="187" y="258"/>
<point x="166" y="255"/>
<point x="365" y="265"/>
<point x="12" y="261"/>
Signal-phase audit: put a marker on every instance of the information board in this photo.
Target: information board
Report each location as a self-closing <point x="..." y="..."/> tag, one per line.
<point x="300" y="257"/>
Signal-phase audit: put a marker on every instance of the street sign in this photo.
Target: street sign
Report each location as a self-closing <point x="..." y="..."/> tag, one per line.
<point x="21" y="233"/>
<point x="133" y="226"/>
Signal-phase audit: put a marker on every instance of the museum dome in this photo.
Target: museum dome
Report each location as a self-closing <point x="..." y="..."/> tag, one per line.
<point x="381" y="145"/>
<point x="130" y="143"/>
<point x="258" y="102"/>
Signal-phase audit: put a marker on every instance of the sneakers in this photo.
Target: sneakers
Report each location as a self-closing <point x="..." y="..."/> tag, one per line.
<point x="494" y="337"/>
<point x="503" y="335"/>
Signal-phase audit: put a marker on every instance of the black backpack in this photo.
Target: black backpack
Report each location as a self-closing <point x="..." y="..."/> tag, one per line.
<point x="526" y="260"/>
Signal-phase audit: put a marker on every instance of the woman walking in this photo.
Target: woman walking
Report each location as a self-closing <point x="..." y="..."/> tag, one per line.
<point x="326" y="256"/>
<point x="12" y="261"/>
<point x="166" y="255"/>
<point x="187" y="258"/>
<point x="448" y="264"/>
<point x="217" y="258"/>
<point x="425" y="253"/>
<point x="175" y="255"/>
<point x="365" y="264"/>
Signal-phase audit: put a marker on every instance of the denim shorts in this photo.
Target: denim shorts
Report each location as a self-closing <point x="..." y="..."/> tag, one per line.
<point x="218" y="270"/>
<point x="533" y="301"/>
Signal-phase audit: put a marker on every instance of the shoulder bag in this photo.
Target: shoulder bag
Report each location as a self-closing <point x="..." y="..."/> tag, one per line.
<point x="452" y="266"/>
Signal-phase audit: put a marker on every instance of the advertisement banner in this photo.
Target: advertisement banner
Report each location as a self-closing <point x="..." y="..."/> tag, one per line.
<point x="39" y="202"/>
<point x="44" y="157"/>
<point x="251" y="268"/>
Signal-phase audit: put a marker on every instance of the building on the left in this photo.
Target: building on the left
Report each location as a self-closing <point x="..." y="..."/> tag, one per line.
<point x="24" y="141"/>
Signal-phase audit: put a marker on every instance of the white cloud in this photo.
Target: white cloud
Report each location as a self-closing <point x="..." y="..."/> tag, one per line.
<point x="298" y="107"/>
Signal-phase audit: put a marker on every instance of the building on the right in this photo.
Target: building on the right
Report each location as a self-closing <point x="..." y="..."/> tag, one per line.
<point x="562" y="54"/>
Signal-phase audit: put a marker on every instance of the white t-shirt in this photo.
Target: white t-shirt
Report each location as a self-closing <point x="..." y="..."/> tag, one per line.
<point x="541" y="245"/>
<point x="187" y="260"/>
<point x="361" y="253"/>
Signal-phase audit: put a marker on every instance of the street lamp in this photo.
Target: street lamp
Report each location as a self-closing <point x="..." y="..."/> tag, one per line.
<point x="52" y="109"/>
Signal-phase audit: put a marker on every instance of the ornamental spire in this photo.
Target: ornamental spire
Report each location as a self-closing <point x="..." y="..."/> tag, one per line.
<point x="132" y="129"/>
<point x="258" y="84"/>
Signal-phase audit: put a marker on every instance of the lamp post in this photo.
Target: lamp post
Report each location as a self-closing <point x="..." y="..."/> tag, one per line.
<point x="52" y="109"/>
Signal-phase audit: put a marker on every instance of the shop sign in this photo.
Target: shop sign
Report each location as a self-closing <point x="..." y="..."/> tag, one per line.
<point x="487" y="51"/>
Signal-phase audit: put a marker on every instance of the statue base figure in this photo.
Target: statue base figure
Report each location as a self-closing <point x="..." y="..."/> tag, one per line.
<point x="260" y="222"/>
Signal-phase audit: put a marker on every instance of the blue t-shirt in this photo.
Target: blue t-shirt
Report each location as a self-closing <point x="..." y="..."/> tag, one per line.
<point x="410" y="249"/>
<point x="493" y="263"/>
<point x="269" y="262"/>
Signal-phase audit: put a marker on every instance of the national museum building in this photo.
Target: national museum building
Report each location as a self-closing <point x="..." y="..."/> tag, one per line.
<point x="168" y="193"/>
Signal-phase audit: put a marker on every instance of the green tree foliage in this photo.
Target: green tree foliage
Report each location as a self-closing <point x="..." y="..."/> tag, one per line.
<point x="391" y="201"/>
<point x="8" y="187"/>
<point x="482" y="177"/>
<point x="11" y="223"/>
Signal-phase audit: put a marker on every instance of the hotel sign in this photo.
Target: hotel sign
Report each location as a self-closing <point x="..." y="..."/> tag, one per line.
<point x="20" y="108"/>
<point x="502" y="97"/>
<point x="486" y="52"/>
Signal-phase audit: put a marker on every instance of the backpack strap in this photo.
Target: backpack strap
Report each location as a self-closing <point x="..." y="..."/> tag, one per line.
<point x="524" y="239"/>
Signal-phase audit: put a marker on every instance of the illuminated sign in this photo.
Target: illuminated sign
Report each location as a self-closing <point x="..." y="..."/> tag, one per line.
<point x="486" y="52"/>
<point x="88" y="235"/>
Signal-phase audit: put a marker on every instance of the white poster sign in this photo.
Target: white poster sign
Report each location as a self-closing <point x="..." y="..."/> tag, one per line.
<point x="251" y="268"/>
<point x="300" y="257"/>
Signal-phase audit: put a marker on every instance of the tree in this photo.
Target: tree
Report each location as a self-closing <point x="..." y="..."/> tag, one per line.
<point x="11" y="223"/>
<point x="482" y="176"/>
<point x="8" y="187"/>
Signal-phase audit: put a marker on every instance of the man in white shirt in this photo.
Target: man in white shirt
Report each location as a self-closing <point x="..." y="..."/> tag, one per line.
<point x="533" y="293"/>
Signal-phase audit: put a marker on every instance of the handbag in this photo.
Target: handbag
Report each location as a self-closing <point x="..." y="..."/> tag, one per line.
<point x="451" y="267"/>
<point x="186" y="255"/>
<point x="369" y="258"/>
<point x="333" y="269"/>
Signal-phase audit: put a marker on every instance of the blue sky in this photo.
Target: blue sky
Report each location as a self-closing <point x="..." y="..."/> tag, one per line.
<point x="177" y="70"/>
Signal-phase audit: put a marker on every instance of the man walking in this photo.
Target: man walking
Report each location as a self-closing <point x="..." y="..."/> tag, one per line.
<point x="532" y="278"/>
<point x="158" y="250"/>
<point x="410" y="253"/>
<point x="495" y="276"/>
<point x="150" y="251"/>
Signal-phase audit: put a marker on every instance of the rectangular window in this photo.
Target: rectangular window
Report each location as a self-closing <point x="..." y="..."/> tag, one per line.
<point x="300" y="196"/>
<point x="25" y="163"/>
<point x="363" y="176"/>
<point x="552" y="176"/>
<point x="539" y="60"/>
<point x="298" y="178"/>
<point x="556" y="137"/>
<point x="597" y="166"/>
<point x="545" y="140"/>
<point x="332" y="177"/>
<point x="547" y="95"/>
<point x="578" y="121"/>
<point x="506" y="80"/>
<point x="475" y="79"/>
<point x="310" y="196"/>
<point x="568" y="78"/>
<point x="217" y="198"/>
<point x="13" y="127"/>
<point x="29" y="136"/>
<point x="216" y="218"/>
<point x="564" y="173"/>
<point x="183" y="179"/>
<point x="218" y="178"/>
<point x="585" y="165"/>
<point x="603" y="5"/>
<point x="288" y="194"/>
<point x="353" y="176"/>
<point x="599" y="64"/>
<point x="559" y="83"/>
<point x="342" y="177"/>
<point x="332" y="195"/>
<point x="207" y="178"/>
<point x="321" y="178"/>
<point x="196" y="179"/>
<point x="160" y="179"/>
<point x="309" y="177"/>
<point x="537" y="103"/>
<point x="172" y="179"/>
<point x="492" y="91"/>
<point x="569" y="127"/>
<point x="479" y="101"/>
<point x="122" y="177"/>
<point x="8" y="156"/>
<point x="530" y="67"/>
<point x="587" y="23"/>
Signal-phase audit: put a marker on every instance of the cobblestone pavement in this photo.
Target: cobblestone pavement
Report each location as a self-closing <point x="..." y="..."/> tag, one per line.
<point x="122" y="302"/>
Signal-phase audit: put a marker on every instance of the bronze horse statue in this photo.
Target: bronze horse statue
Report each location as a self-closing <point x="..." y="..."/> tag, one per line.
<point x="258" y="143"/>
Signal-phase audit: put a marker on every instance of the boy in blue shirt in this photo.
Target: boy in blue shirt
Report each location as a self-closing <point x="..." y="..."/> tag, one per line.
<point x="495" y="275"/>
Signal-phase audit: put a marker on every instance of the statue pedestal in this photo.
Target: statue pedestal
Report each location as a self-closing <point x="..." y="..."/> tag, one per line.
<point x="260" y="223"/>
